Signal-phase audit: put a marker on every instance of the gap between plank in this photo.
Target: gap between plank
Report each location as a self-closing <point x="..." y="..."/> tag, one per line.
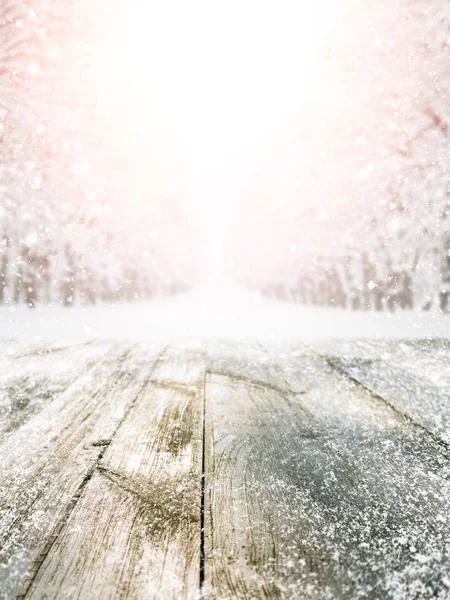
<point x="59" y="526"/>
<point x="37" y="564"/>
<point x="444" y="446"/>
<point x="203" y="496"/>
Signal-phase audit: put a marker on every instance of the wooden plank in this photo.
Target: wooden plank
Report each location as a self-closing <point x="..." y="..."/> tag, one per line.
<point x="13" y="349"/>
<point x="431" y="352"/>
<point x="412" y="375"/>
<point x="243" y="361"/>
<point x="317" y="489"/>
<point x="136" y="531"/>
<point x="46" y="462"/>
<point x="33" y="378"/>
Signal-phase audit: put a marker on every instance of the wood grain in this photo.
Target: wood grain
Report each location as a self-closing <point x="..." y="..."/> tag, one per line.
<point x="32" y="378"/>
<point x="412" y="375"/>
<point x="317" y="489"/>
<point x="45" y="461"/>
<point x="136" y="531"/>
<point x="326" y="471"/>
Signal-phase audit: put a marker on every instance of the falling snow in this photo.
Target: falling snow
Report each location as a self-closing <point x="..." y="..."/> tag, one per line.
<point x="224" y="298"/>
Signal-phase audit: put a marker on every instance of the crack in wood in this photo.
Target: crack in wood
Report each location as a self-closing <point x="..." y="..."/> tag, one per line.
<point x="266" y="494"/>
<point x="334" y="364"/>
<point x="202" y="498"/>
<point x="256" y="382"/>
<point x="37" y="564"/>
<point x="101" y="443"/>
<point x="155" y="497"/>
<point x="35" y="478"/>
<point x="188" y="389"/>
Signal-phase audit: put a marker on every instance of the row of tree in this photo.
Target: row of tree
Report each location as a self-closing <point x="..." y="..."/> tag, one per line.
<point x="355" y="282"/>
<point x="353" y="207"/>
<point x="80" y="221"/>
<point x="33" y="274"/>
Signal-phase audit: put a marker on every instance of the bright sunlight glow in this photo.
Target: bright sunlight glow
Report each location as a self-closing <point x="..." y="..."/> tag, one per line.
<point x="213" y="78"/>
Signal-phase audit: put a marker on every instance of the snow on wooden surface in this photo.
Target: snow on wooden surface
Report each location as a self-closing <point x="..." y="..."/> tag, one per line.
<point x="229" y="468"/>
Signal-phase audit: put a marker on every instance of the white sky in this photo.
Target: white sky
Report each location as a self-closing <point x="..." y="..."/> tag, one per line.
<point x="219" y="78"/>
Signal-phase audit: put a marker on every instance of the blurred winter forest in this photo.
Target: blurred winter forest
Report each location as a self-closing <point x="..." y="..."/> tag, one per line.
<point x="354" y="197"/>
<point x="347" y="204"/>
<point x="80" y="220"/>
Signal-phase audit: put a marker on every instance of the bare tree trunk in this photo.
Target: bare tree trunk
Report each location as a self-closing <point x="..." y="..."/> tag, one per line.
<point x="4" y="266"/>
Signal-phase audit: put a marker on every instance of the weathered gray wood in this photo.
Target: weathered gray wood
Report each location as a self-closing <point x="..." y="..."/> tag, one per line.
<point x="412" y="375"/>
<point x="135" y="532"/>
<point x="46" y="461"/>
<point x="33" y="377"/>
<point x="316" y="488"/>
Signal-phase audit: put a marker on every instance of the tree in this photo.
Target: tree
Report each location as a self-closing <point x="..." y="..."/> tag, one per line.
<point x="361" y="180"/>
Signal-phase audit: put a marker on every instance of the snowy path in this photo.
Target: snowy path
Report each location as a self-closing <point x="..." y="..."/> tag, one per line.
<point x="255" y="469"/>
<point x="223" y="311"/>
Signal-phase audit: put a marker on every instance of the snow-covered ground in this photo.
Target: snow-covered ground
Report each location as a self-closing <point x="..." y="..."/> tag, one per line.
<point x="212" y="311"/>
